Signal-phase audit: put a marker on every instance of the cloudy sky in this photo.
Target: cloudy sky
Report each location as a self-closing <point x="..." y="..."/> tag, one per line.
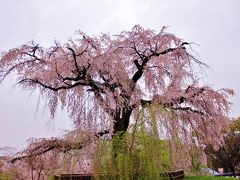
<point x="212" y="24"/>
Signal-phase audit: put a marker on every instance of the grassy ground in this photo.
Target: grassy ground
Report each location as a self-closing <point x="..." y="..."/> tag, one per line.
<point x="207" y="178"/>
<point x="190" y="178"/>
<point x="3" y="177"/>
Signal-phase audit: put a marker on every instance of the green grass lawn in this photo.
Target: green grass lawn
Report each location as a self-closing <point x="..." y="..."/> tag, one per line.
<point x="207" y="178"/>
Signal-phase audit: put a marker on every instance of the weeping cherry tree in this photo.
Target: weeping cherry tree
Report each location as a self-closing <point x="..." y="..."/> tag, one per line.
<point x="105" y="81"/>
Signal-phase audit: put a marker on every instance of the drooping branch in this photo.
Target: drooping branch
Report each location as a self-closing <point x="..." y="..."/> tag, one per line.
<point x="28" y="62"/>
<point x="174" y="103"/>
<point x="69" y="86"/>
<point x="188" y="109"/>
<point x="12" y="68"/>
<point x="190" y="93"/>
<point x="171" y="106"/>
<point x="45" y="145"/>
<point x="90" y="83"/>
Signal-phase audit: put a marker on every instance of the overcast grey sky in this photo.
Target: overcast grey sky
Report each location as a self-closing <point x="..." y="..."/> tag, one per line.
<point x="212" y="24"/>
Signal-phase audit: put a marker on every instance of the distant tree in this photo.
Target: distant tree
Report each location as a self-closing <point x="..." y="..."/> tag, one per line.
<point x="228" y="154"/>
<point x="104" y="81"/>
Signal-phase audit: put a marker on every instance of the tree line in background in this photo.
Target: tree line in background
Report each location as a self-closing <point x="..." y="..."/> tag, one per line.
<point x="135" y="98"/>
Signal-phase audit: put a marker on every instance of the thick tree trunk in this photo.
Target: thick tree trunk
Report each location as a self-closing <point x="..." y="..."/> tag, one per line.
<point x="121" y="124"/>
<point x="122" y="119"/>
